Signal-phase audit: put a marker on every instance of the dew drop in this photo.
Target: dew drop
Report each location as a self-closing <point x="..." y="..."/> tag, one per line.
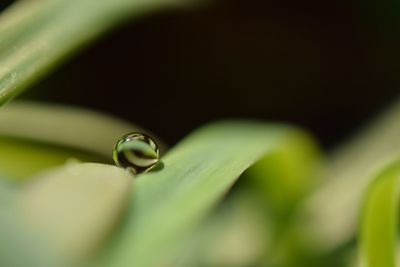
<point x="137" y="152"/>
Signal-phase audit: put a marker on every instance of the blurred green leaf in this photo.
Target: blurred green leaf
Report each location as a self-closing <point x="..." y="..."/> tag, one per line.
<point x="36" y="136"/>
<point x="76" y="207"/>
<point x="19" y="159"/>
<point x="237" y="233"/>
<point x="379" y="222"/>
<point x="20" y="246"/>
<point x="349" y="172"/>
<point x="36" y="36"/>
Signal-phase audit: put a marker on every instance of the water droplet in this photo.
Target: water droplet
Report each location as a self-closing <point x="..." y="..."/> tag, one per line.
<point x="137" y="152"/>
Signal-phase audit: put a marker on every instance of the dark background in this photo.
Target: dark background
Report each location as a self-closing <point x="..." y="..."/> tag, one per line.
<point x="328" y="66"/>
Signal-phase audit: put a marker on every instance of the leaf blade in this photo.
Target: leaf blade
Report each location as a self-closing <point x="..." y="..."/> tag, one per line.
<point x="35" y="136"/>
<point x="379" y="220"/>
<point x="198" y="173"/>
<point x="30" y="52"/>
<point x="77" y="206"/>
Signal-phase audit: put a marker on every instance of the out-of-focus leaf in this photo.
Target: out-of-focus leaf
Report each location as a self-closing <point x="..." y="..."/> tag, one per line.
<point x="20" y="246"/>
<point x="333" y="210"/>
<point x="168" y="204"/>
<point x="19" y="159"/>
<point x="238" y="233"/>
<point x="35" y="36"/>
<point x="76" y="207"/>
<point x="36" y="136"/>
<point x="72" y="127"/>
<point x="380" y="222"/>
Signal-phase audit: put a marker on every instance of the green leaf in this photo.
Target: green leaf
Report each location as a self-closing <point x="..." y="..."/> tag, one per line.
<point x="76" y="207"/>
<point x="20" y="246"/>
<point x="168" y="204"/>
<point x="36" y="136"/>
<point x="36" y="36"/>
<point x="349" y="172"/>
<point x="237" y="233"/>
<point x="19" y="159"/>
<point x="379" y="222"/>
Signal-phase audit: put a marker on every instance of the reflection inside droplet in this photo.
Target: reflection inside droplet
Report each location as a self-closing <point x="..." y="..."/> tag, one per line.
<point x="137" y="152"/>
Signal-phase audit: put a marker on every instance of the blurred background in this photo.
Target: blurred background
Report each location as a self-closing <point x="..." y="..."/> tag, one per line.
<point x="327" y="66"/>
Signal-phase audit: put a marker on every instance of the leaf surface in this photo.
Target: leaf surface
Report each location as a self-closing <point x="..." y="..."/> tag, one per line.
<point x="36" y="36"/>
<point x="36" y="136"/>
<point x="379" y="221"/>
<point x="168" y="204"/>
